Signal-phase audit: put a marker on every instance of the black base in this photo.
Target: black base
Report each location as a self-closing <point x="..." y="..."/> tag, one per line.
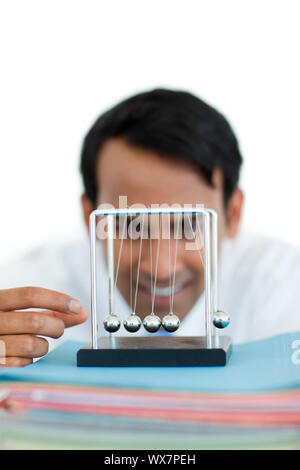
<point x="157" y="351"/>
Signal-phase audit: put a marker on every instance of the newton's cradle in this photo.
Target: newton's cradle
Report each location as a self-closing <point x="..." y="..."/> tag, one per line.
<point x="152" y="350"/>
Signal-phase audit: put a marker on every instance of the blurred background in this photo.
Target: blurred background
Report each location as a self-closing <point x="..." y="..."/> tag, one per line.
<point x="63" y="62"/>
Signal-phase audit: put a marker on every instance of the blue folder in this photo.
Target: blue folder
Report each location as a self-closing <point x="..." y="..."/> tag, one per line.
<point x="265" y="365"/>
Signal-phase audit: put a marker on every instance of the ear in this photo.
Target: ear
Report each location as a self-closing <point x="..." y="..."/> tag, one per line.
<point x="234" y="212"/>
<point x="87" y="208"/>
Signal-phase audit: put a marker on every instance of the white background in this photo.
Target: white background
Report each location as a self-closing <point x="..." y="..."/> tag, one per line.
<point x="65" y="61"/>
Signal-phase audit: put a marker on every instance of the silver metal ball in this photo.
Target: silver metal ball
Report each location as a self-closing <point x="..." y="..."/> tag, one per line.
<point x="111" y="323"/>
<point x="221" y="319"/>
<point x="132" y="323"/>
<point x="171" y="322"/>
<point x="152" y="323"/>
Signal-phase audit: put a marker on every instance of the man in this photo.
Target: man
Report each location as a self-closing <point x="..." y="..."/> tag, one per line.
<point x="158" y="147"/>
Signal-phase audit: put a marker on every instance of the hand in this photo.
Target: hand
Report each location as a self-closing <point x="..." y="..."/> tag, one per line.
<point x="18" y="329"/>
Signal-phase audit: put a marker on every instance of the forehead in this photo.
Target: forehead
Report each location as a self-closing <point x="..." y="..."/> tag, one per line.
<point x="144" y="177"/>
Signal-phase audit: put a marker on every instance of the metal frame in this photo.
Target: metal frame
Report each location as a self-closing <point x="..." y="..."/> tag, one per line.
<point x="210" y="260"/>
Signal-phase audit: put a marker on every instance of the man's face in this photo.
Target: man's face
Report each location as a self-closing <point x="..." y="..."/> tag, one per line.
<point x="146" y="178"/>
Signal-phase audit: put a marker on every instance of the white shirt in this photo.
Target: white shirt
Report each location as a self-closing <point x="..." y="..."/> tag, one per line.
<point x="259" y="286"/>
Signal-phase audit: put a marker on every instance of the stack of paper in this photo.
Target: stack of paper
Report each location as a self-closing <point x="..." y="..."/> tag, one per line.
<point x="253" y="402"/>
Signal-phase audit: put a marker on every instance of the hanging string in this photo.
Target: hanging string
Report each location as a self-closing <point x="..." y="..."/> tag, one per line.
<point x="120" y="252"/>
<point x="199" y="230"/>
<point x="170" y="275"/>
<point x="139" y="263"/>
<point x="151" y="268"/>
<point x="174" y="268"/>
<point x="156" y="267"/>
<point x="130" y="276"/>
<point x="201" y="239"/>
<point x="151" y="276"/>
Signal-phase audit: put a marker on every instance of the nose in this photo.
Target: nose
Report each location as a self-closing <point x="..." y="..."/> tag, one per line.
<point x="160" y="257"/>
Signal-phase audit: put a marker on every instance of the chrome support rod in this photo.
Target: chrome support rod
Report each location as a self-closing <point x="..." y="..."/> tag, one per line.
<point x="214" y="257"/>
<point x="93" y="280"/>
<point x="111" y="272"/>
<point x="207" y="280"/>
<point x="214" y="273"/>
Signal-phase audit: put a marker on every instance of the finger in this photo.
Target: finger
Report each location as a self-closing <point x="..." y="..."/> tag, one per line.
<point x="37" y="323"/>
<point x="15" y="362"/>
<point x="37" y="297"/>
<point x="26" y="346"/>
<point x="70" y="320"/>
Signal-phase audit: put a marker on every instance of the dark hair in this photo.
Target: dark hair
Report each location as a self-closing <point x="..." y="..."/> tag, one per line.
<point x="175" y="124"/>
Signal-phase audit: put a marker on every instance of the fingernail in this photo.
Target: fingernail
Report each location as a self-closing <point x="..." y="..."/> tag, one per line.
<point x="75" y="306"/>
